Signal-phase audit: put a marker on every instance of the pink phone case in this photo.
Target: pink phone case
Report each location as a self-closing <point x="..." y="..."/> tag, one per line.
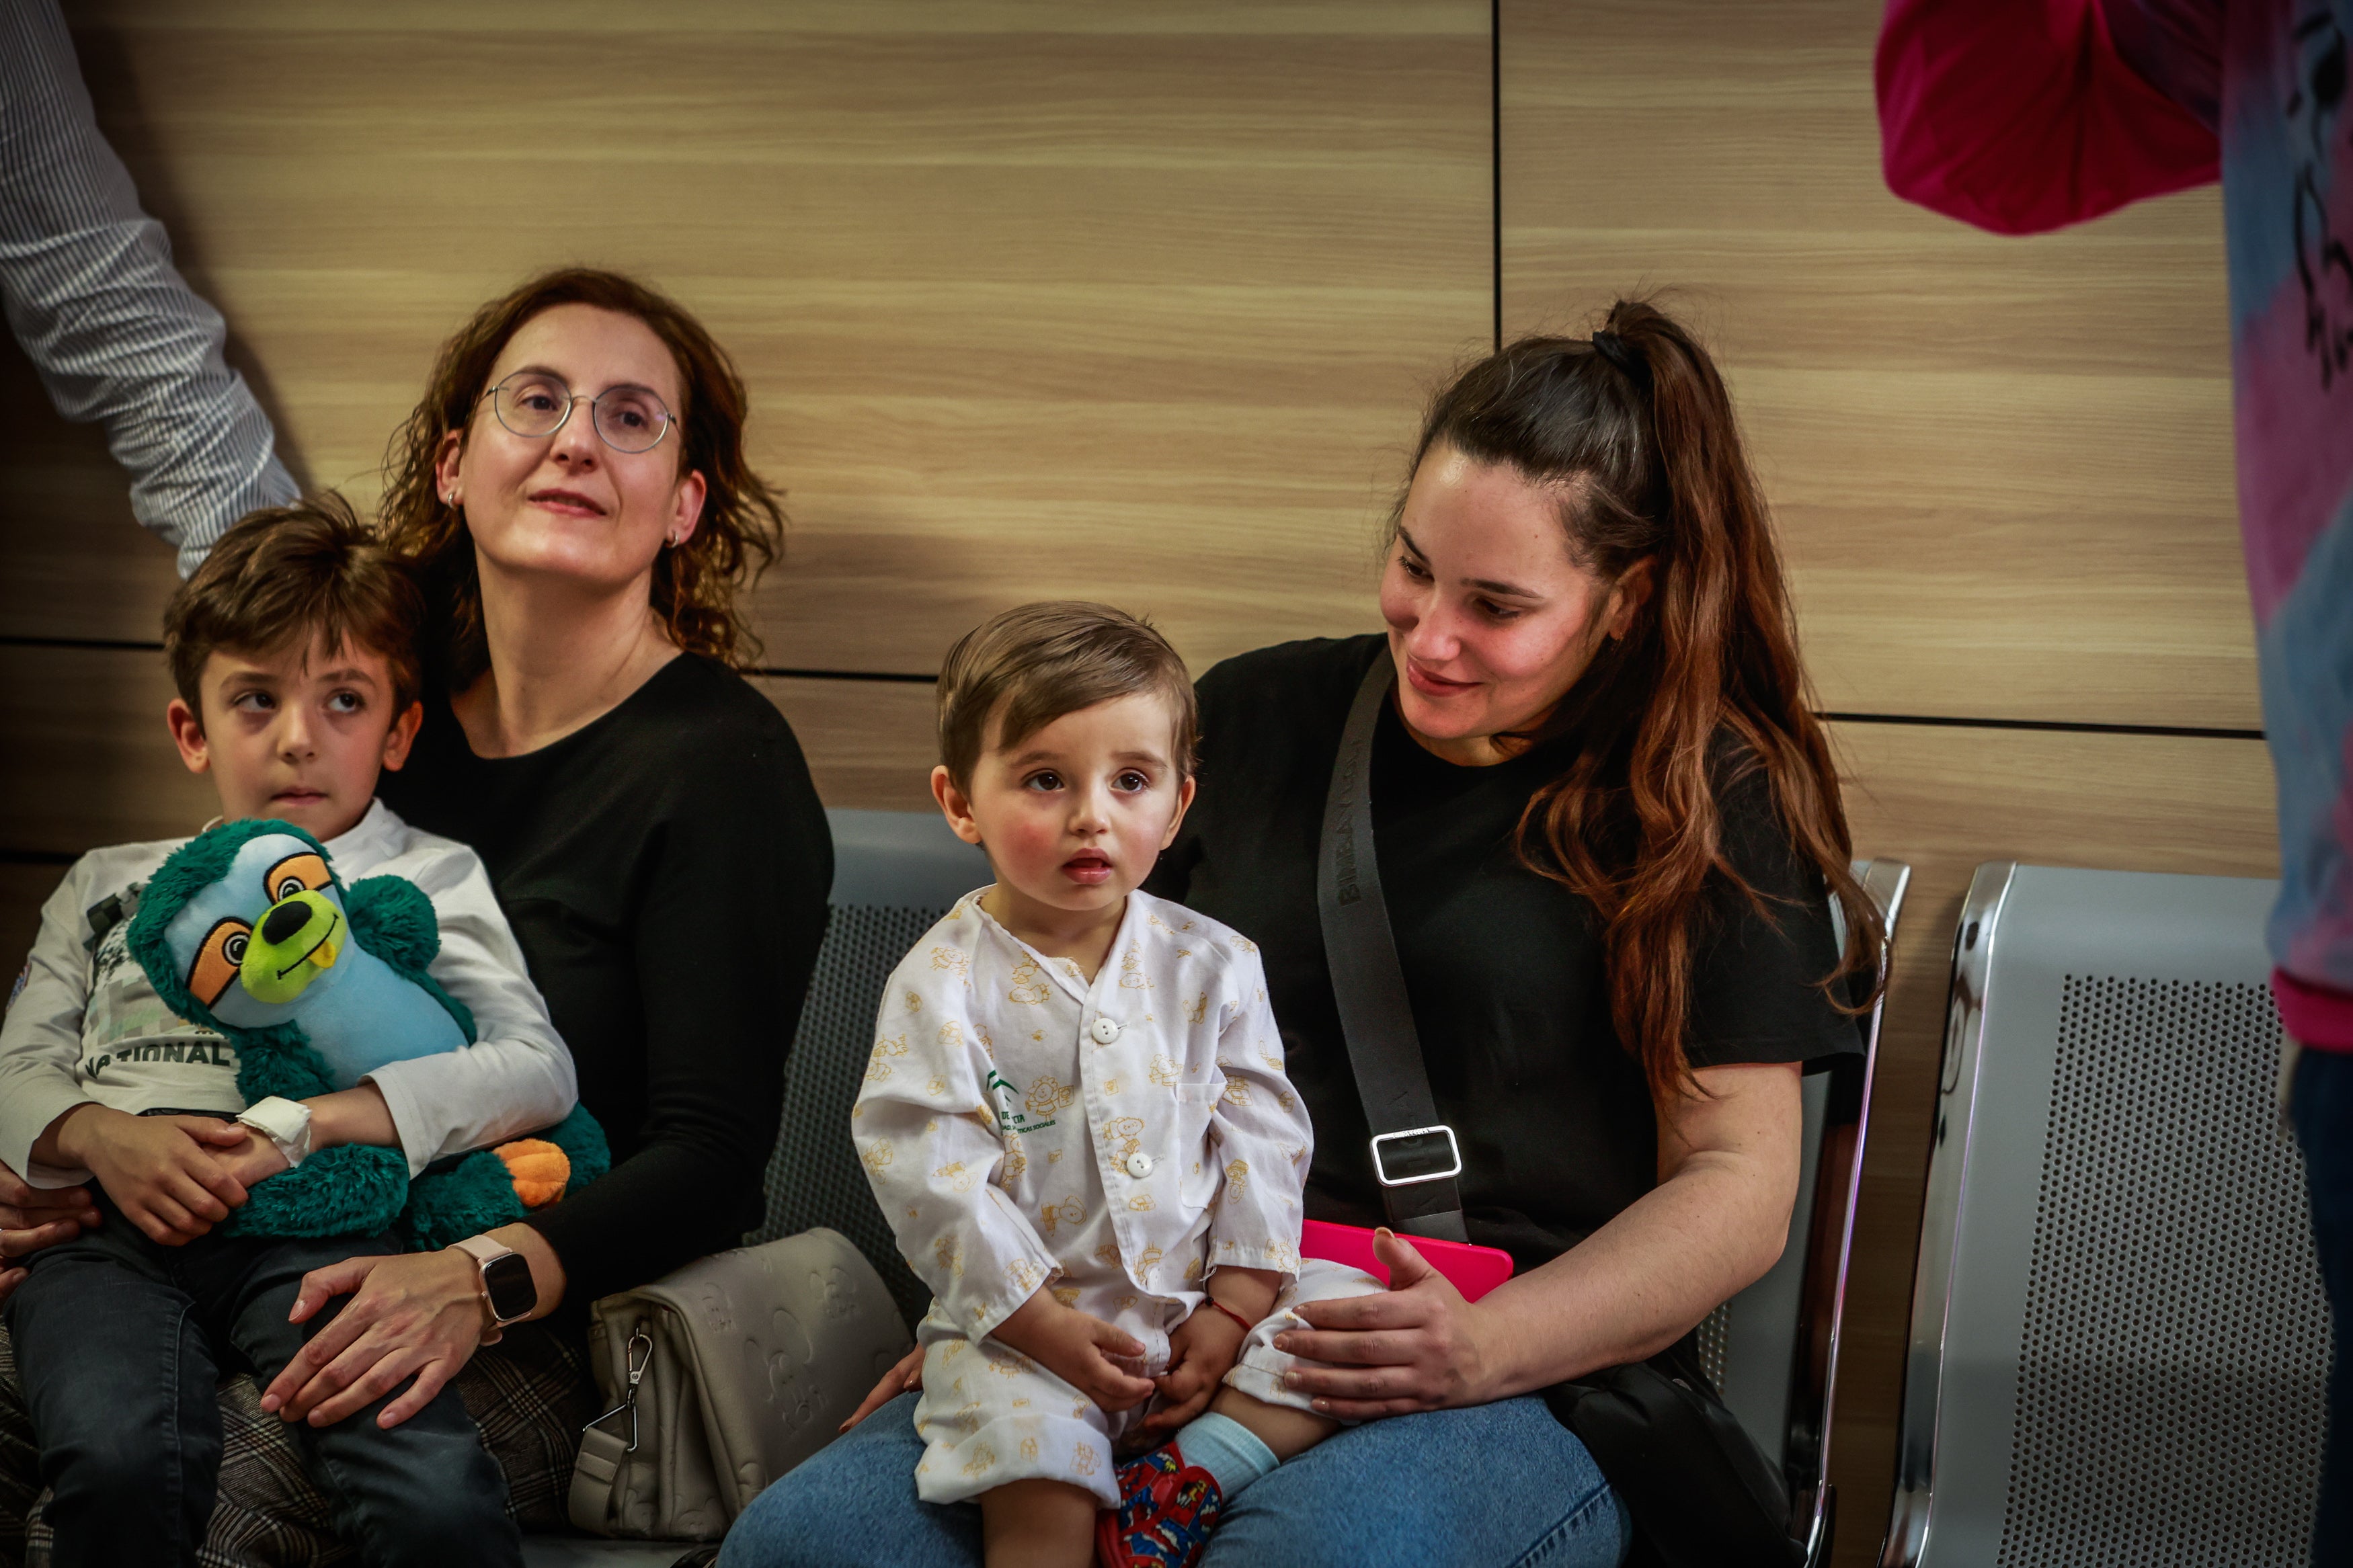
<point x="1475" y="1271"/>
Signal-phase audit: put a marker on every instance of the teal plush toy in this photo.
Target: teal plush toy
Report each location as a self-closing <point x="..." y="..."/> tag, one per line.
<point x="247" y="929"/>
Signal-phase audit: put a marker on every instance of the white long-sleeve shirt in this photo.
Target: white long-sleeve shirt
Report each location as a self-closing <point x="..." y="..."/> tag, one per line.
<point x="83" y="1023"/>
<point x="118" y="336"/>
<point x="1021" y="1125"/>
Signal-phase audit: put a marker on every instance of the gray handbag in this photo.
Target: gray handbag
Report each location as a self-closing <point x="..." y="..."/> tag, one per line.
<point x="722" y="1375"/>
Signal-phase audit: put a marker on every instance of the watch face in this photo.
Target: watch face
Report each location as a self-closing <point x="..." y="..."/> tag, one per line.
<point x="508" y="1279"/>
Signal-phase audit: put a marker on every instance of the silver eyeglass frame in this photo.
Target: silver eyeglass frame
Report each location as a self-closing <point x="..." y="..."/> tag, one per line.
<point x="573" y="400"/>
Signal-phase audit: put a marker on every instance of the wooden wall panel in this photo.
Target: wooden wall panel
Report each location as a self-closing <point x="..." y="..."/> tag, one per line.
<point x="870" y="744"/>
<point x="2002" y="468"/>
<point x="1032" y="298"/>
<point x="89" y="759"/>
<point x="72" y="562"/>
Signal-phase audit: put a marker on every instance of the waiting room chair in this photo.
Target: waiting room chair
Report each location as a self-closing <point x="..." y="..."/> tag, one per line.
<point x="2118" y="1337"/>
<point x="1773" y="1349"/>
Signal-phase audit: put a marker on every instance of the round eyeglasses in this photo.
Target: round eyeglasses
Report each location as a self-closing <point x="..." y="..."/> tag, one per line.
<point x="535" y="404"/>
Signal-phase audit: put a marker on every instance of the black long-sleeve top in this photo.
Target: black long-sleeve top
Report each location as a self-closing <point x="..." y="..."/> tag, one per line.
<point x="665" y="868"/>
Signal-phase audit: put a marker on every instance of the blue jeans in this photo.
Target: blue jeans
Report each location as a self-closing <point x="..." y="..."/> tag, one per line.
<point x="119" y="1342"/>
<point x="2320" y="1103"/>
<point x="1495" y="1485"/>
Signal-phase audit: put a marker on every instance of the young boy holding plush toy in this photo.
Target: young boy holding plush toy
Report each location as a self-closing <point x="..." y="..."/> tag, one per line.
<point x="292" y="648"/>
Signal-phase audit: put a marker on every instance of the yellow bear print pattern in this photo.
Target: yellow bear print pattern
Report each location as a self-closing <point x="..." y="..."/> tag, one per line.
<point x="1029" y="988"/>
<point x="1069" y="1212"/>
<point x="1047" y="1095"/>
<point x="879" y="1065"/>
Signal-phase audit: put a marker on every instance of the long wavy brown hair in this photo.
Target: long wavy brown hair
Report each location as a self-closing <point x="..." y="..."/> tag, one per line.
<point x="697" y="584"/>
<point x="1637" y="438"/>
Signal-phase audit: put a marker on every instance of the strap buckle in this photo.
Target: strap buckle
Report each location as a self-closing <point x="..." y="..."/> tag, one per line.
<point x="639" y="1357"/>
<point x="1453" y="1154"/>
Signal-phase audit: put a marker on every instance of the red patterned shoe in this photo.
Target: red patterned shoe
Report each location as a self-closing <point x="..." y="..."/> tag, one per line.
<point x="1166" y="1509"/>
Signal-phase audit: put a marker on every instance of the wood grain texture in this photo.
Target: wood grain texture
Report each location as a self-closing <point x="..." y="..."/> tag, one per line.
<point x="72" y="562"/>
<point x="88" y="761"/>
<point x="870" y="744"/>
<point x="1946" y="800"/>
<point x="1117" y="300"/>
<point x="2002" y="468"/>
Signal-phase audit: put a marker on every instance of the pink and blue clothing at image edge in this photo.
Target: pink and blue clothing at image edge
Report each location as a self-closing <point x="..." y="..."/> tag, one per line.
<point x="2025" y="115"/>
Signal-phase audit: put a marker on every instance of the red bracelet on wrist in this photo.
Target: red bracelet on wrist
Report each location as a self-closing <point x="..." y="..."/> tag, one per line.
<point x="1229" y="1312"/>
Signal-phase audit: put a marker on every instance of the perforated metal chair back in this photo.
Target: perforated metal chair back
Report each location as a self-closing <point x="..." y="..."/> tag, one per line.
<point x="1773" y="1348"/>
<point x="895" y="873"/>
<point x="2118" y="1336"/>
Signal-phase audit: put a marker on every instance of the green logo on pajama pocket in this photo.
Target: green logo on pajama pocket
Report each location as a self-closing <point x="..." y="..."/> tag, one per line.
<point x="1013" y="1117"/>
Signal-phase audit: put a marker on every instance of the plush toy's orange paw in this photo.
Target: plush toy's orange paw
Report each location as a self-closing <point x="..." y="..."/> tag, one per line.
<point x="539" y="1169"/>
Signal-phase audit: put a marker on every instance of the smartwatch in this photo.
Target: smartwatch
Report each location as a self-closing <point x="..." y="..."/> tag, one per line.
<point x="508" y="1292"/>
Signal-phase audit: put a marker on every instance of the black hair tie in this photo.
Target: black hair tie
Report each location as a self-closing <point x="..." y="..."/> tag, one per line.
<point x="1625" y="356"/>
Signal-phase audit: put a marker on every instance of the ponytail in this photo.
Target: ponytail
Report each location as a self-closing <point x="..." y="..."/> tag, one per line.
<point x="1634" y="430"/>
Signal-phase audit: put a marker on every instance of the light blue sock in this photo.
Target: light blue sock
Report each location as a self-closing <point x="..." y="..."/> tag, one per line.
<point x="1229" y="1450"/>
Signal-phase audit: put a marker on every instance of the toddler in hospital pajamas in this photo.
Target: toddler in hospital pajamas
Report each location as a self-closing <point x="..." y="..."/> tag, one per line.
<point x="1076" y="1120"/>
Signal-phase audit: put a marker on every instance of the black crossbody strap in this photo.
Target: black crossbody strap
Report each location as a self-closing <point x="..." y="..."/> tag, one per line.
<point x="1375" y="1015"/>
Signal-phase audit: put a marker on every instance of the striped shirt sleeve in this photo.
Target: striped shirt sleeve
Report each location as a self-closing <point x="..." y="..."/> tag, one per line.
<point x="90" y="290"/>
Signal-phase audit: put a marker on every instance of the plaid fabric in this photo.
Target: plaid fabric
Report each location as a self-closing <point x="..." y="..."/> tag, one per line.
<point x="530" y="1395"/>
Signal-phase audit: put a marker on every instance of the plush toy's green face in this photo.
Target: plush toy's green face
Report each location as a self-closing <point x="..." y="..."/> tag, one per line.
<point x="298" y="938"/>
<point x="261" y="933"/>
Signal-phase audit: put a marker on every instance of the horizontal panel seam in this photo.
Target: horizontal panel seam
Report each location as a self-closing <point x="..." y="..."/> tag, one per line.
<point x="910" y="678"/>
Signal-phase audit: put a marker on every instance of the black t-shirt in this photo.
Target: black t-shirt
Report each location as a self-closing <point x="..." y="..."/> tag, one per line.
<point x="665" y="869"/>
<point x="1503" y="966"/>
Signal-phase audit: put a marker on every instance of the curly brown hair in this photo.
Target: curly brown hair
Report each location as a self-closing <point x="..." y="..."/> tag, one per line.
<point x="696" y="583"/>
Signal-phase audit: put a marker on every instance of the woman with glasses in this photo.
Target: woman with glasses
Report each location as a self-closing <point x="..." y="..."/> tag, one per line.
<point x="574" y="487"/>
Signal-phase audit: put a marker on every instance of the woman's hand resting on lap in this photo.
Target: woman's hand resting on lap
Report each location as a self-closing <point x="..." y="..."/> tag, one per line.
<point x="417" y="1314"/>
<point x="1417" y="1345"/>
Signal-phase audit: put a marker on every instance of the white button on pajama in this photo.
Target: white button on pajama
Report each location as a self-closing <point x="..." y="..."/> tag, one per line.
<point x="1116" y="1142"/>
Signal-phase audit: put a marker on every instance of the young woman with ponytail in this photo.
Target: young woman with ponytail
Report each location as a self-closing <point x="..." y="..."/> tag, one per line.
<point x="1608" y="829"/>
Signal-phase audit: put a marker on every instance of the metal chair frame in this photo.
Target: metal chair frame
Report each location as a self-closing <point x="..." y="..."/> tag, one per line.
<point x="1829" y="1251"/>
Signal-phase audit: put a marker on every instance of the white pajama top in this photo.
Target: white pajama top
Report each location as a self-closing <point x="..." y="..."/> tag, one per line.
<point x="1021" y="1124"/>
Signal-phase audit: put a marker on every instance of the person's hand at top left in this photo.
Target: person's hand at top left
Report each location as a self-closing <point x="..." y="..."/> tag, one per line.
<point x="34" y="1218"/>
